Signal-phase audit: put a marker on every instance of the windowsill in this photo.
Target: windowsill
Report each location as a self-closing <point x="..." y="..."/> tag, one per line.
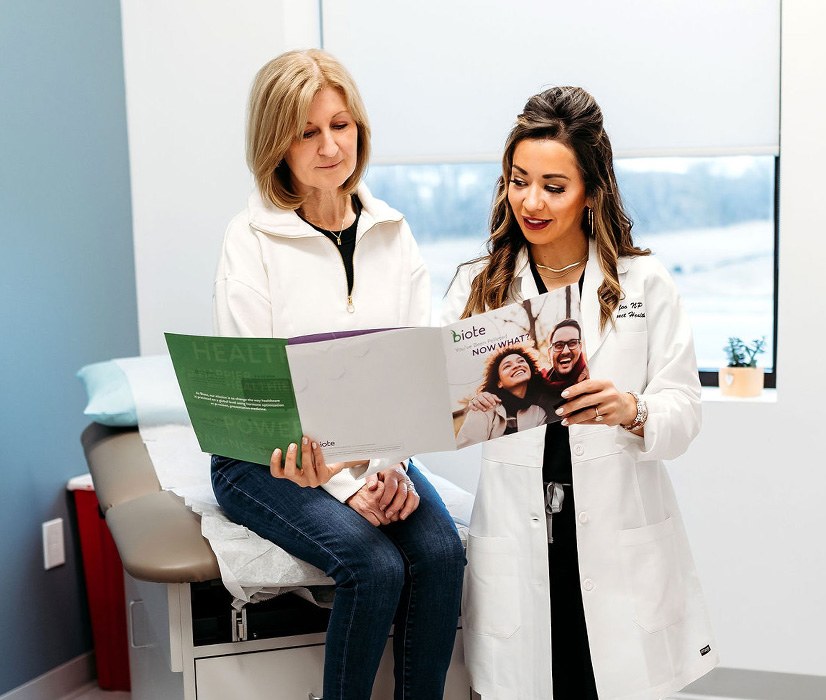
<point x="712" y="393"/>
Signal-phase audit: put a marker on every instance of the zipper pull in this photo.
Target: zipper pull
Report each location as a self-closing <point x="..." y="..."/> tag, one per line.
<point x="350" y="308"/>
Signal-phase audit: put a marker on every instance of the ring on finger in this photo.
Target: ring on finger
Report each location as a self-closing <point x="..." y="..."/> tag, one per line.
<point x="597" y="417"/>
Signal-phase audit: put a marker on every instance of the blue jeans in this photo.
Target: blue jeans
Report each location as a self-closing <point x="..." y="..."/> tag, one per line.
<point x="408" y="573"/>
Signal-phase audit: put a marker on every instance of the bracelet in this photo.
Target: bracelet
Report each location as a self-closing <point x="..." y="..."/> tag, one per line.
<point x="642" y="413"/>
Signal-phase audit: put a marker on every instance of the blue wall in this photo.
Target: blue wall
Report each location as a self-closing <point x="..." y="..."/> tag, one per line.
<point x="67" y="298"/>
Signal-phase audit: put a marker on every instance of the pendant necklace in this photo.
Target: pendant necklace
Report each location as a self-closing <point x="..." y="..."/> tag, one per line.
<point x="337" y="236"/>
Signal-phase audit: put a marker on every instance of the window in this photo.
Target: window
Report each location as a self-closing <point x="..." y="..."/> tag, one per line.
<point x="711" y="221"/>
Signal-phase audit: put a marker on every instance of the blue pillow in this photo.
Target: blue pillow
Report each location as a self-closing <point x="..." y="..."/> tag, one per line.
<point x="110" y="399"/>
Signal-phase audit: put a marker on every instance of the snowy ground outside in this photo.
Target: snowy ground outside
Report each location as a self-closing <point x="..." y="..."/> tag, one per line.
<point x="725" y="276"/>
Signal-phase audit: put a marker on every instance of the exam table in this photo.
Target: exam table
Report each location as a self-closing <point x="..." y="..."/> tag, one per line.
<point x="187" y="639"/>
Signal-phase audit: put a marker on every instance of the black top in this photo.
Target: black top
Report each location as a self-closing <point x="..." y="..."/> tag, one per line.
<point x="347" y="248"/>
<point x="556" y="459"/>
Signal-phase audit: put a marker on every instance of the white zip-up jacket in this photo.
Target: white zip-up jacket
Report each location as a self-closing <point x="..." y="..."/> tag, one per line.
<point x="279" y="277"/>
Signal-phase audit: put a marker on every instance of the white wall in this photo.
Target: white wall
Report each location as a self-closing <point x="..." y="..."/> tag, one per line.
<point x="188" y="67"/>
<point x="753" y="488"/>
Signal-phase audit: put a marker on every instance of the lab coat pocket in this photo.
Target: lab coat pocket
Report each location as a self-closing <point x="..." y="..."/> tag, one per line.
<point x="489" y="598"/>
<point x="651" y="564"/>
<point x="623" y="357"/>
<point x="632" y="339"/>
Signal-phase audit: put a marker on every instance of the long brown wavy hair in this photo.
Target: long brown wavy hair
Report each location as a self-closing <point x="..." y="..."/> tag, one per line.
<point x="572" y="117"/>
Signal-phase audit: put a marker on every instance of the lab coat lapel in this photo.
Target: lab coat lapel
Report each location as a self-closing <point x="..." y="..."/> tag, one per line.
<point x="524" y="285"/>
<point x="589" y="304"/>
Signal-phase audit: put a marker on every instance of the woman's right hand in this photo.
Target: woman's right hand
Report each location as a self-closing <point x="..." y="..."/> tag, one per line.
<point x="314" y="471"/>
<point x="483" y="401"/>
<point x="367" y="503"/>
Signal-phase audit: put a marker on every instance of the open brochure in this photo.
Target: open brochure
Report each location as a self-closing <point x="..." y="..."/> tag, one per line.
<point x="388" y="393"/>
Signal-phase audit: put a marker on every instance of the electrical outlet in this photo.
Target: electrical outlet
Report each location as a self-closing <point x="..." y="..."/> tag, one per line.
<point x="54" y="553"/>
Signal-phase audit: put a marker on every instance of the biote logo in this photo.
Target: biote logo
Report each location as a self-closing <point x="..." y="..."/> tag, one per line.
<point x="327" y="443"/>
<point x="472" y="332"/>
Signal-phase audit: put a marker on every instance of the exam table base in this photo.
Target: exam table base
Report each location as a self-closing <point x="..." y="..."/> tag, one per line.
<point x="169" y="658"/>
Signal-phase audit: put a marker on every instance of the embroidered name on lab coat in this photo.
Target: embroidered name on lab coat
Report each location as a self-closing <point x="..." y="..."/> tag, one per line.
<point x="631" y="309"/>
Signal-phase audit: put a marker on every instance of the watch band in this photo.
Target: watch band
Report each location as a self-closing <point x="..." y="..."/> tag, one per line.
<point x="642" y="413"/>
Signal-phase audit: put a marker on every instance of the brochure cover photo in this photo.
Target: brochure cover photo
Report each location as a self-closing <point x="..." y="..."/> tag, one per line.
<point x="383" y="393"/>
<point x="519" y="358"/>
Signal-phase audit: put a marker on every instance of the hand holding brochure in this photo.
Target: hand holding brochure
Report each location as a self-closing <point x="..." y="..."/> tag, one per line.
<point x="387" y="393"/>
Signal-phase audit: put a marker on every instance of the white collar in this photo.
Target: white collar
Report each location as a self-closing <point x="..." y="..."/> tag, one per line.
<point x="285" y="223"/>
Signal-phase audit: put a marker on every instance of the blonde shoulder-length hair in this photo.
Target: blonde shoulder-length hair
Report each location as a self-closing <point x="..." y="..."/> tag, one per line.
<point x="279" y="104"/>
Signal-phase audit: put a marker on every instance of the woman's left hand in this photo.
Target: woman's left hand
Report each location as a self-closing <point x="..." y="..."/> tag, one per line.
<point x="597" y="402"/>
<point x="314" y="471"/>
<point x="399" y="499"/>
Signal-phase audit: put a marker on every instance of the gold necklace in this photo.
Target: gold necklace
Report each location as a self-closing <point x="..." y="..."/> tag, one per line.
<point x="565" y="269"/>
<point x="341" y="230"/>
<point x="546" y="276"/>
<point x="335" y="235"/>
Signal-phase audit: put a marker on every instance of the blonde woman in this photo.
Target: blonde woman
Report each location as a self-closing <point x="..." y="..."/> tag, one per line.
<point x="606" y="603"/>
<point x="314" y="251"/>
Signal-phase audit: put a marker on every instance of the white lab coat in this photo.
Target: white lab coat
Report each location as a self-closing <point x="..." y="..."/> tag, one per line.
<point x="647" y="624"/>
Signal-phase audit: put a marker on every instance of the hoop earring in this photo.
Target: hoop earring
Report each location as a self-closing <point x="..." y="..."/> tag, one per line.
<point x="590" y="215"/>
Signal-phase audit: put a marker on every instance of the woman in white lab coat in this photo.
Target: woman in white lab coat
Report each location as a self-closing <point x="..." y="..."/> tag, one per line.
<point x="612" y="607"/>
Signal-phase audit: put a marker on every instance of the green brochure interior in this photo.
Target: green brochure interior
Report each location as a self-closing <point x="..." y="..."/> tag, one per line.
<point x="238" y="393"/>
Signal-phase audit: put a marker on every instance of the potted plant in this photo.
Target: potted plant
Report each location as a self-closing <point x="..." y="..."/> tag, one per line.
<point x="742" y="376"/>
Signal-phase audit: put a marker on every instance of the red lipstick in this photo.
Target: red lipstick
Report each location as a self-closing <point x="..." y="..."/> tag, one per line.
<point x="535" y="224"/>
